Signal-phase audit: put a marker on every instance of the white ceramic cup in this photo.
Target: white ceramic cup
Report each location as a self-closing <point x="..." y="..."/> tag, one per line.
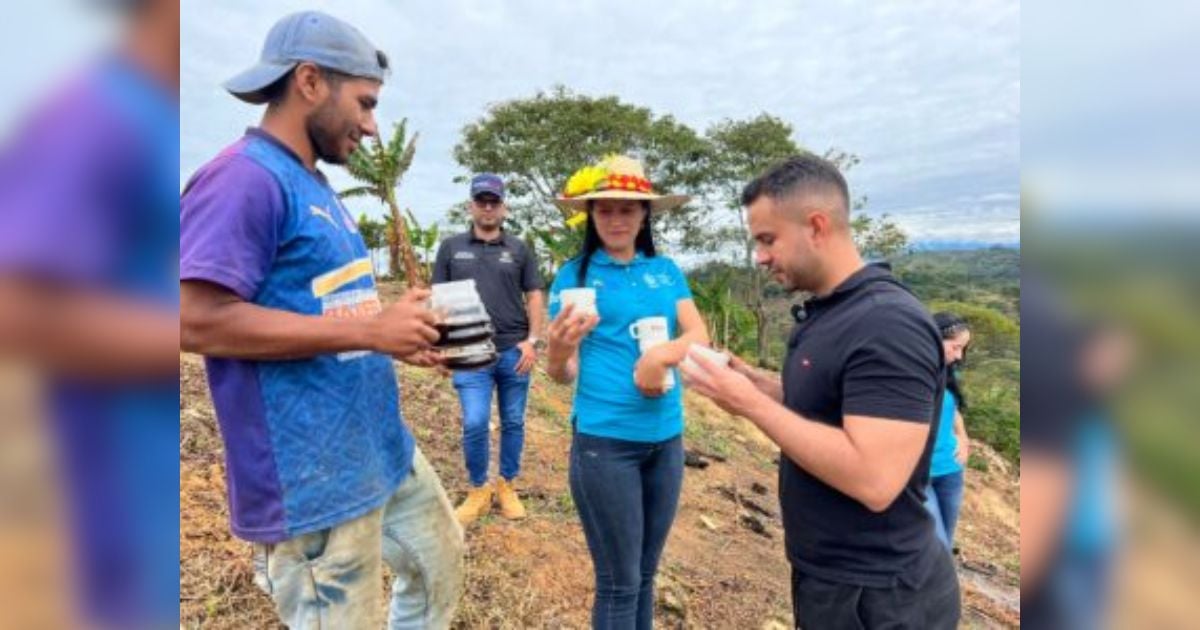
<point x="455" y="301"/>
<point x="650" y="332"/>
<point x="584" y="299"/>
<point x="456" y="290"/>
<point x="453" y="294"/>
<point x="716" y="356"/>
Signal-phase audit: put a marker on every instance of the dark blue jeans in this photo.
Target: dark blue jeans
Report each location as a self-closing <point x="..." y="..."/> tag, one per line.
<point x="475" y="395"/>
<point x="943" y="499"/>
<point x="626" y="494"/>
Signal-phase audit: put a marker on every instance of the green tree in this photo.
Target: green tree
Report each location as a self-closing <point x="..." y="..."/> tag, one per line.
<point x="373" y="233"/>
<point x="380" y="167"/>
<point x="730" y="323"/>
<point x="424" y="240"/>
<point x="536" y="143"/>
<point x="993" y="335"/>
<point x="878" y="238"/>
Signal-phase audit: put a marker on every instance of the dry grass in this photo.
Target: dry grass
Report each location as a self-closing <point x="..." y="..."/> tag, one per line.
<point x="715" y="572"/>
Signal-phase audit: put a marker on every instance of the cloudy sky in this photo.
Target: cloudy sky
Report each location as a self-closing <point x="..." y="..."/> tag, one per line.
<point x="926" y="93"/>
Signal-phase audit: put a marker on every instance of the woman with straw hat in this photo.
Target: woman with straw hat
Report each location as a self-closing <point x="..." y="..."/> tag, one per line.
<point x="626" y="464"/>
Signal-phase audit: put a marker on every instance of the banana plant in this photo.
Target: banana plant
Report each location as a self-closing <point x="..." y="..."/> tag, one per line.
<point x="380" y="167"/>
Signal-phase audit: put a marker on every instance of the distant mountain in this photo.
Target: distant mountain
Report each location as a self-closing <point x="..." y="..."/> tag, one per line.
<point x="995" y="262"/>
<point x="943" y="245"/>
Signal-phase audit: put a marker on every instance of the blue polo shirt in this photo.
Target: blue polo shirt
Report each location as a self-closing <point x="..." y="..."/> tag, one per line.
<point x="607" y="402"/>
<point x="943" y="463"/>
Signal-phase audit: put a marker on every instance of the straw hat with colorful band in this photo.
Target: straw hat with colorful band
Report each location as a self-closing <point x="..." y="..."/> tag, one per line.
<point x="615" y="177"/>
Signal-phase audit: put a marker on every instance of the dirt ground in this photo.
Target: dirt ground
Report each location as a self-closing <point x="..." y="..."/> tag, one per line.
<point x="724" y="565"/>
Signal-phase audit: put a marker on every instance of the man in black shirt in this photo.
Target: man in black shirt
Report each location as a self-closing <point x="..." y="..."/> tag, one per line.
<point x="855" y="414"/>
<point x="507" y="279"/>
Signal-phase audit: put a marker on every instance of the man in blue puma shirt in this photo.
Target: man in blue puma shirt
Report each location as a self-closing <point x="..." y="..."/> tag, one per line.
<point x="278" y="293"/>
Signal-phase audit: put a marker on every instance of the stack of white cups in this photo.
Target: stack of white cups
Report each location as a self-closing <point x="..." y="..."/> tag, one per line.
<point x="466" y="329"/>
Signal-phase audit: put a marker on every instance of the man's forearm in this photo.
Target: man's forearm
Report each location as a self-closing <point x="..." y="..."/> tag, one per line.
<point x="87" y="335"/>
<point x="674" y="351"/>
<point x="823" y="451"/>
<point x="770" y="385"/>
<point x="242" y="330"/>
<point x="535" y="307"/>
<point x="1047" y="484"/>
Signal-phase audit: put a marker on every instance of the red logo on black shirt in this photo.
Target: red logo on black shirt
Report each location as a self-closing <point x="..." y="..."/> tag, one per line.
<point x="805" y="363"/>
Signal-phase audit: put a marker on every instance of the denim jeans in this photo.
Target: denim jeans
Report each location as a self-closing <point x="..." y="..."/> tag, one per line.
<point x="626" y="494"/>
<point x="943" y="499"/>
<point x="332" y="578"/>
<point x="475" y="395"/>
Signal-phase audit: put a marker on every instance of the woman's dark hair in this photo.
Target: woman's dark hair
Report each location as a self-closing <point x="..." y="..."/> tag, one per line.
<point x="950" y="326"/>
<point x="643" y="242"/>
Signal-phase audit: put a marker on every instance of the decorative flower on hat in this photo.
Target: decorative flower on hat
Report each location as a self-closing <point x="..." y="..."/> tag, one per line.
<point x="614" y="177"/>
<point x="586" y="180"/>
<point x="578" y="219"/>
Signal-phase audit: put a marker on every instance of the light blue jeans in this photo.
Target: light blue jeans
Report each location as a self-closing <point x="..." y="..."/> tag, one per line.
<point x="332" y="578"/>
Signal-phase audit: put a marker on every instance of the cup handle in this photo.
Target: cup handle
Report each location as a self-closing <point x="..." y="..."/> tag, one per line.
<point x="633" y="330"/>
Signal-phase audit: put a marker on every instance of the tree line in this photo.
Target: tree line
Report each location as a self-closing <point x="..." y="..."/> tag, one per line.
<point x="536" y="143"/>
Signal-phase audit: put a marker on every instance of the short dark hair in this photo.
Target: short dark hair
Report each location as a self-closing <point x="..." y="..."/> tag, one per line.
<point x="785" y="178"/>
<point x="277" y="91"/>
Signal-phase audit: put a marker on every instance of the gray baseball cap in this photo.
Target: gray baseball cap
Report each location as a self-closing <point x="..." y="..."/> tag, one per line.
<point x="309" y="36"/>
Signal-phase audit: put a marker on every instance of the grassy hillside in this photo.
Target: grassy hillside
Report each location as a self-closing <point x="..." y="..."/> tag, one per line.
<point x="990" y="278"/>
<point x="724" y="565"/>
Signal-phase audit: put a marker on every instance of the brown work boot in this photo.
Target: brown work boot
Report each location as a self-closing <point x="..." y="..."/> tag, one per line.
<point x="510" y="504"/>
<point x="477" y="503"/>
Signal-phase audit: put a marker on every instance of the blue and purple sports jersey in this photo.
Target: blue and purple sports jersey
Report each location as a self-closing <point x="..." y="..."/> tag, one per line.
<point x="88" y="201"/>
<point x="309" y="443"/>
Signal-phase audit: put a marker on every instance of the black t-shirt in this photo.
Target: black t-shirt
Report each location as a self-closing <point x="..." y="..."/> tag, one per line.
<point x="868" y="348"/>
<point x="504" y="270"/>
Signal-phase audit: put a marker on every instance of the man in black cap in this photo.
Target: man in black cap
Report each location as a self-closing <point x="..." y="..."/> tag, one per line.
<point x="506" y="275"/>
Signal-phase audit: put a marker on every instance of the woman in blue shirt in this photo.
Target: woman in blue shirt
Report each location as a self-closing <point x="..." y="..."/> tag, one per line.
<point x="627" y="452"/>
<point x="943" y="497"/>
